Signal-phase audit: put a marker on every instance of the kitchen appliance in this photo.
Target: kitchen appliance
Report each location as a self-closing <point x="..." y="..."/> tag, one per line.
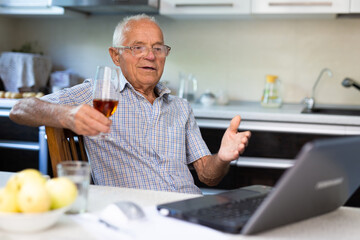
<point x="101" y="7"/>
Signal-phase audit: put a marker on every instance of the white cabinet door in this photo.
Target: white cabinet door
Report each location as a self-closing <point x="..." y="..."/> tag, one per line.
<point x="355" y="6"/>
<point x="300" y="6"/>
<point x="31" y="8"/>
<point x="204" y="7"/>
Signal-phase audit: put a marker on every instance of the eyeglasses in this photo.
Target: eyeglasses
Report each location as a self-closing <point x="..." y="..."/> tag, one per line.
<point x="140" y="51"/>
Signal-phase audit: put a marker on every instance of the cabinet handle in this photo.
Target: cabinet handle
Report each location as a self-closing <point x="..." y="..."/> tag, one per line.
<point x="185" y="5"/>
<point x="300" y="4"/>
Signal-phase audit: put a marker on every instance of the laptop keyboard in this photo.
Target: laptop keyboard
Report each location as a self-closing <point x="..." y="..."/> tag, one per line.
<point x="240" y="210"/>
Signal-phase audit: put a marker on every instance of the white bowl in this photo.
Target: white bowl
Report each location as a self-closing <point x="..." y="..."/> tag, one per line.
<point x="30" y="222"/>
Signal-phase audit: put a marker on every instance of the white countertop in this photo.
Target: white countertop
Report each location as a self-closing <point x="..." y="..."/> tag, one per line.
<point x="287" y="118"/>
<point x="340" y="224"/>
<point x="251" y="111"/>
<point x="7" y="102"/>
<point x="286" y="113"/>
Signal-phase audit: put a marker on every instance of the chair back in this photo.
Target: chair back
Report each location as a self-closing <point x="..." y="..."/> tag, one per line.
<point x="63" y="146"/>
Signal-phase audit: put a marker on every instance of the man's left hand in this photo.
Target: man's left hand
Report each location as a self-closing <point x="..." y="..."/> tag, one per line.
<point x="233" y="142"/>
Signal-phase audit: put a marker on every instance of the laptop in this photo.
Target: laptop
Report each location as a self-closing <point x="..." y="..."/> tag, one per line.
<point x="325" y="174"/>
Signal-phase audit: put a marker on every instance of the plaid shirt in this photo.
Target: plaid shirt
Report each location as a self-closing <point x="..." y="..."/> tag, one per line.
<point x="154" y="143"/>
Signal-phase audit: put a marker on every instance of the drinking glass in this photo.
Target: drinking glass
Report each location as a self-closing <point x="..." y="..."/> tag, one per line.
<point x="79" y="173"/>
<point x="105" y="93"/>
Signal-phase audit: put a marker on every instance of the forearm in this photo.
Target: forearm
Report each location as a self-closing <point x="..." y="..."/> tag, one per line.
<point x="82" y="119"/>
<point x="35" y="112"/>
<point x="211" y="169"/>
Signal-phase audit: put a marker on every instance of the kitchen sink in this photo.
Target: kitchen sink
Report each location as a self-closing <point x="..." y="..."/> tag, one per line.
<point x="333" y="111"/>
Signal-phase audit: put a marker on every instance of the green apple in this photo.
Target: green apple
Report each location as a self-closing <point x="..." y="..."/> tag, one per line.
<point x="16" y="181"/>
<point x="62" y="190"/>
<point x="33" y="197"/>
<point x="8" y="200"/>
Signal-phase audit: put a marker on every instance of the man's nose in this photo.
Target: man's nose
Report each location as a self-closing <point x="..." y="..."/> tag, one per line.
<point x="149" y="54"/>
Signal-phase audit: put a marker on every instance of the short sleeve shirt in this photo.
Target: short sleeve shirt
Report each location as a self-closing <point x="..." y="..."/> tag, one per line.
<point x="153" y="143"/>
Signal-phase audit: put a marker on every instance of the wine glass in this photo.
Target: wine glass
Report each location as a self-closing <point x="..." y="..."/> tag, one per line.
<point x="105" y="93"/>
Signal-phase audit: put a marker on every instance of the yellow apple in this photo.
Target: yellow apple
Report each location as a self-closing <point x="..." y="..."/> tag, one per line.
<point x="33" y="197"/>
<point x="16" y="181"/>
<point x="62" y="190"/>
<point x="8" y="200"/>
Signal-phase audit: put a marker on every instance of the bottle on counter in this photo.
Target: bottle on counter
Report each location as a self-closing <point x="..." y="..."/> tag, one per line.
<point x="188" y="87"/>
<point x="271" y="96"/>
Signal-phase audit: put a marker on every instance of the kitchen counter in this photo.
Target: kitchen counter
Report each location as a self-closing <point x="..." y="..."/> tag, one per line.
<point x="288" y="118"/>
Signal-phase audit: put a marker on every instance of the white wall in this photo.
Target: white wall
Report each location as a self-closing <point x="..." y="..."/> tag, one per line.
<point x="234" y="55"/>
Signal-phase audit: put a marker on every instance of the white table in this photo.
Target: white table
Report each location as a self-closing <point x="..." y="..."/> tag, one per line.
<point x="343" y="223"/>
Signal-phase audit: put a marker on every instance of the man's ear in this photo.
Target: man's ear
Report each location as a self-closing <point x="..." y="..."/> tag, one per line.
<point x="114" y="54"/>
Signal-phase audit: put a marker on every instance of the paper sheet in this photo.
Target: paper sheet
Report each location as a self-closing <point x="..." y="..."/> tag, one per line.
<point x="154" y="226"/>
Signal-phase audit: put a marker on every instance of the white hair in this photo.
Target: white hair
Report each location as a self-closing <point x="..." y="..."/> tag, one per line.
<point x="123" y="27"/>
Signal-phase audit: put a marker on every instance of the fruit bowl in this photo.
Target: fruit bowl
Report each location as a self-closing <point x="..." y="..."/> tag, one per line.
<point x="30" y="222"/>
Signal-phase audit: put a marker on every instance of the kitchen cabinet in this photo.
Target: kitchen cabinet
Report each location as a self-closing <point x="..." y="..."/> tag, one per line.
<point x="266" y="158"/>
<point x="253" y="8"/>
<point x="21" y="146"/>
<point x="204" y="7"/>
<point x="34" y="7"/>
<point x="27" y="11"/>
<point x="299" y="7"/>
<point x="269" y="154"/>
<point x="354" y="6"/>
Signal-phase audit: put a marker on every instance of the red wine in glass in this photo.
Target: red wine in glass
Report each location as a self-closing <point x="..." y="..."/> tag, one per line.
<point x="106" y="107"/>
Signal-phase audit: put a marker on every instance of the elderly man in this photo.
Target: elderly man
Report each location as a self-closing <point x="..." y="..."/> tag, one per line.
<point x="158" y="135"/>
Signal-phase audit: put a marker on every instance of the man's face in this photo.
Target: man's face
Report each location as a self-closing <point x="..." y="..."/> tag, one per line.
<point x="142" y="71"/>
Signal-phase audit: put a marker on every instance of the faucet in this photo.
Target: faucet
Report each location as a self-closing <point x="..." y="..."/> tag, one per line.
<point x="310" y="102"/>
<point x="348" y="82"/>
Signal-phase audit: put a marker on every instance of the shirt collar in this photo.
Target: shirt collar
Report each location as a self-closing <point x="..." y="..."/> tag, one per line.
<point x="123" y="82"/>
<point x="160" y="88"/>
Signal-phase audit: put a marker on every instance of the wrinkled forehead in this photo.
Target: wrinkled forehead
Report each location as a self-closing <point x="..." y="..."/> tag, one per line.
<point x="142" y="31"/>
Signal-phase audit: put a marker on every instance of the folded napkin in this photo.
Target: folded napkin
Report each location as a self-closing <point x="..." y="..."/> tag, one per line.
<point x="24" y="70"/>
<point x="154" y="226"/>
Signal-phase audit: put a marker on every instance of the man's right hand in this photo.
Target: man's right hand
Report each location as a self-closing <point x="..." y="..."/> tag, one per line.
<point x="86" y="120"/>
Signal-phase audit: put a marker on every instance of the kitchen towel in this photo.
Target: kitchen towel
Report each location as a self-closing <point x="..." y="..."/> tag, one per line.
<point x="24" y="70"/>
